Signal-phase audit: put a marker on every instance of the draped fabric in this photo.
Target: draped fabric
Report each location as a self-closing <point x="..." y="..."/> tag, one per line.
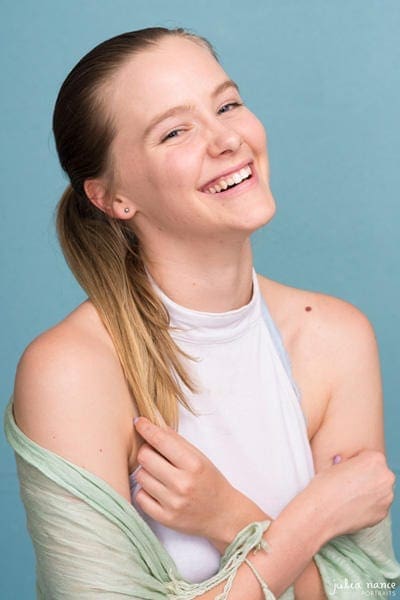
<point x="91" y="543"/>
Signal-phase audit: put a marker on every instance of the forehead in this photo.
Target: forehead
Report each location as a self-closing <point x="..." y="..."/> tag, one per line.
<point x="174" y="71"/>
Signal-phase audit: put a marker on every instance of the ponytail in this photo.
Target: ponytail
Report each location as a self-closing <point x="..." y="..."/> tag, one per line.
<point x="105" y="257"/>
<point x="103" y="253"/>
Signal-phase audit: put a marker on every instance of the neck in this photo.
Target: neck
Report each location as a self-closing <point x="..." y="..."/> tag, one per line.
<point x="204" y="279"/>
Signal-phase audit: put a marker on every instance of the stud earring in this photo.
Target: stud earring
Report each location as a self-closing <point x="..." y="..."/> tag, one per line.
<point x="126" y="209"/>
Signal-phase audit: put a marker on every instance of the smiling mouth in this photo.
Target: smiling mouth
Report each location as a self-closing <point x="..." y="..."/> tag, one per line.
<point x="230" y="181"/>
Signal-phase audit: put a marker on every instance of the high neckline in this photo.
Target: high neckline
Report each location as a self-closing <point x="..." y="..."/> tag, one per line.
<point x="206" y="327"/>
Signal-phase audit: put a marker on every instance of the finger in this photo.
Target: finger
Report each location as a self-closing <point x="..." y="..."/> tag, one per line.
<point x="168" y="443"/>
<point x="150" y="506"/>
<point x="153" y="487"/>
<point x="158" y="466"/>
<point x="160" y="419"/>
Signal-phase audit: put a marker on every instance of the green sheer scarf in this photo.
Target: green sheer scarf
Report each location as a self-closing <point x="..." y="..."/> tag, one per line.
<point x="90" y="542"/>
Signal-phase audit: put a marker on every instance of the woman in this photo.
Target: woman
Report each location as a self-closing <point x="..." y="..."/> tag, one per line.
<point x="169" y="177"/>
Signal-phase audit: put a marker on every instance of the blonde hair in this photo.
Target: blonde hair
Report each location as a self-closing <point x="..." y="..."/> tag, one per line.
<point x="103" y="253"/>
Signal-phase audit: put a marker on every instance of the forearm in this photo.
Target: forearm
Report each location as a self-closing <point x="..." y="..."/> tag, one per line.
<point x="293" y="538"/>
<point x="309" y="584"/>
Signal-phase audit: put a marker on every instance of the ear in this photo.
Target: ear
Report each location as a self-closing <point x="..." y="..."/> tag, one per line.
<point x="117" y="208"/>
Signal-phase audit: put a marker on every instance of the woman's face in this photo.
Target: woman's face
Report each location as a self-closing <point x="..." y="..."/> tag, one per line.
<point x="182" y="134"/>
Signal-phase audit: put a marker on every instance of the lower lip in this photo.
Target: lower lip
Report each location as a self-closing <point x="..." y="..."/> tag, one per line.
<point x="246" y="185"/>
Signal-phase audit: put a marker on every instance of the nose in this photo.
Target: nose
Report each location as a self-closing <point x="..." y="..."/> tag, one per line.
<point x="223" y="139"/>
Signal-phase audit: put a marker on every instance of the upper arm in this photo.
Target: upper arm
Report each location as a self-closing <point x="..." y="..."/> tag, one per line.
<point x="70" y="398"/>
<point x="353" y="419"/>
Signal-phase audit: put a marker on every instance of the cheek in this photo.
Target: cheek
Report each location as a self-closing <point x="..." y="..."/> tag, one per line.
<point x="257" y="137"/>
<point x="258" y="134"/>
<point x="166" y="187"/>
<point x="180" y="168"/>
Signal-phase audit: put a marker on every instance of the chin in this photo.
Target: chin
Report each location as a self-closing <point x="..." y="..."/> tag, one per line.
<point x="259" y="215"/>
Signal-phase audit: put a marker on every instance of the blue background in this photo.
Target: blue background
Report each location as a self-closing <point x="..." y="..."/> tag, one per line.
<point x="324" y="78"/>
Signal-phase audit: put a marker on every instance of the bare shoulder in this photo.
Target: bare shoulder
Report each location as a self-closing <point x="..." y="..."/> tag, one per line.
<point x="307" y="318"/>
<point x="71" y="397"/>
<point x="330" y="343"/>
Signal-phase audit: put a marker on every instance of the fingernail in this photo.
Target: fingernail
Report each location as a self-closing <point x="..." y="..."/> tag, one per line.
<point x="137" y="490"/>
<point x="134" y="473"/>
<point x="336" y="459"/>
<point x="135" y="420"/>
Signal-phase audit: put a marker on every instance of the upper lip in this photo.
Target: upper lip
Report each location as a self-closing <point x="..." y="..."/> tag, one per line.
<point x="225" y="174"/>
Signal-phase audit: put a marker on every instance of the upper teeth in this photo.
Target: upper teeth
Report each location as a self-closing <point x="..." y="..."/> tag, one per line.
<point x="230" y="180"/>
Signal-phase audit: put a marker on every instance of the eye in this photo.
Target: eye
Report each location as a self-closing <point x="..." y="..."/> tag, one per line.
<point x="172" y="134"/>
<point x="229" y="106"/>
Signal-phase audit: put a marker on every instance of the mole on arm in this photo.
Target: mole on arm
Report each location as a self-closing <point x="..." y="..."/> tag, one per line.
<point x="308" y="308"/>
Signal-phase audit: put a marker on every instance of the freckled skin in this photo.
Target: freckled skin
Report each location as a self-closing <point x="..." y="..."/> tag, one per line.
<point x="171" y="214"/>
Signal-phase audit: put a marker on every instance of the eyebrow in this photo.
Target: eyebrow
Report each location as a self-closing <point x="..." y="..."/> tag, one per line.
<point x="171" y="112"/>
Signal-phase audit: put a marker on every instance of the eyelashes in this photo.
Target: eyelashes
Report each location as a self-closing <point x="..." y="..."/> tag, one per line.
<point x="172" y="134"/>
<point x="228" y="107"/>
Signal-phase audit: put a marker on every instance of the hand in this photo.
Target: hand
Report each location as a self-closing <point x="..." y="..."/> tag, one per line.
<point x="183" y="490"/>
<point x="355" y="493"/>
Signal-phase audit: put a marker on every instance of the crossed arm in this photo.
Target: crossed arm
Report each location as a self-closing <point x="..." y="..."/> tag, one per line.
<point x="343" y="341"/>
<point x="70" y="401"/>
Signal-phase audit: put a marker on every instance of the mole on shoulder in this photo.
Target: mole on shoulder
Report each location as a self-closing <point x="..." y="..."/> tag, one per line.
<point x="308" y="308"/>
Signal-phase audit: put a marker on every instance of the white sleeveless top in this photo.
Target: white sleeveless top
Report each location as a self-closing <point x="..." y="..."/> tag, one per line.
<point x="249" y="420"/>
